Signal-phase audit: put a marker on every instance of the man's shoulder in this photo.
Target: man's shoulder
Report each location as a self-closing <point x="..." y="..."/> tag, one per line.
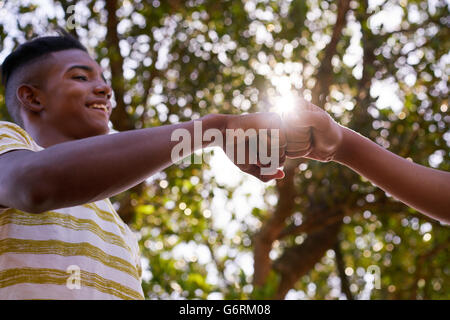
<point x="9" y="125"/>
<point x="13" y="129"/>
<point x="12" y="137"/>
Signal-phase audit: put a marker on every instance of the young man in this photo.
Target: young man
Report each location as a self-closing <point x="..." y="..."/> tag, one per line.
<point x="60" y="237"/>
<point x="312" y="133"/>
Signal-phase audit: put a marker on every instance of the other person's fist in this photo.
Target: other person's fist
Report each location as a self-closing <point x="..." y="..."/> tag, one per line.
<point x="311" y="132"/>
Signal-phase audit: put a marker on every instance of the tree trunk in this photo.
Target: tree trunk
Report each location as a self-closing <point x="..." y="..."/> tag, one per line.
<point x="273" y="227"/>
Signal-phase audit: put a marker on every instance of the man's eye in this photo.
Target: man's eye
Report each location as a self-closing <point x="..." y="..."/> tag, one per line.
<point x="84" y="78"/>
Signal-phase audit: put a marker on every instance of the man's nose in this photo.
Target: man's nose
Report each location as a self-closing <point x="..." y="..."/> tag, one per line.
<point x="104" y="89"/>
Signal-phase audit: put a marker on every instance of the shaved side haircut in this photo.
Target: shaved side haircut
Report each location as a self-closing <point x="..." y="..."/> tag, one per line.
<point x="25" y="65"/>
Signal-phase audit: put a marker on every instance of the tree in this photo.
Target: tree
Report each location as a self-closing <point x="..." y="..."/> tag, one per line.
<point x="380" y="68"/>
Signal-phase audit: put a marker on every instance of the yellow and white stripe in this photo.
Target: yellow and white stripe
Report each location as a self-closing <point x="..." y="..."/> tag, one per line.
<point x="36" y="250"/>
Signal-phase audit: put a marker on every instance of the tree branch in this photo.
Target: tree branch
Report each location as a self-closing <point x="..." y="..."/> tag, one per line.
<point x="421" y="260"/>
<point x="119" y="116"/>
<point x="340" y="265"/>
<point x="325" y="72"/>
<point x="269" y="232"/>
<point x="298" y="260"/>
<point x="316" y="222"/>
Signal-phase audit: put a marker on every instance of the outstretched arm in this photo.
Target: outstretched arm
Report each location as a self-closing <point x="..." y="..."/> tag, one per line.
<point x="86" y="170"/>
<point x="424" y="189"/>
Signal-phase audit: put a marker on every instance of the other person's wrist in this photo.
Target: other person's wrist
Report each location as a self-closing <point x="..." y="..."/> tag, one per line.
<point x="345" y="147"/>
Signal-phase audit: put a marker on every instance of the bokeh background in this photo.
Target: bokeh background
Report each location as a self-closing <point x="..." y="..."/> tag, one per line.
<point x="208" y="231"/>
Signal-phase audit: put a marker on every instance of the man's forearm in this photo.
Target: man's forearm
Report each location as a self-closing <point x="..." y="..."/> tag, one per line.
<point x="95" y="168"/>
<point x="422" y="188"/>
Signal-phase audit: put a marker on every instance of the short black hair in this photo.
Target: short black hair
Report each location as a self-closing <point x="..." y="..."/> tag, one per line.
<point x="29" y="52"/>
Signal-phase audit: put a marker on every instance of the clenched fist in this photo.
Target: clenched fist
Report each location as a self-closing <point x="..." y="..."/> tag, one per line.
<point x="311" y="132"/>
<point x="256" y="144"/>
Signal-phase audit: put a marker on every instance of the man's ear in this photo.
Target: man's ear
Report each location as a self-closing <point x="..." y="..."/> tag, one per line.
<point x="29" y="98"/>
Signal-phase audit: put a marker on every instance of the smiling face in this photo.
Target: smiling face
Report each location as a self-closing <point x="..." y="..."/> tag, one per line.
<point x="75" y="97"/>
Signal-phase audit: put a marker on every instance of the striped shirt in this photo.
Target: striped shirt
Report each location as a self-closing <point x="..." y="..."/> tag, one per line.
<point x="82" y="252"/>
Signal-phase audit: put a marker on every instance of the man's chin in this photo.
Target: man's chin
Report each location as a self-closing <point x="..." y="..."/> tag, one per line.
<point x="103" y="131"/>
<point x="97" y="130"/>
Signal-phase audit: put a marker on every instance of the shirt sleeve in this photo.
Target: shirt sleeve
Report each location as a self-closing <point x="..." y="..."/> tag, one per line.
<point x="13" y="137"/>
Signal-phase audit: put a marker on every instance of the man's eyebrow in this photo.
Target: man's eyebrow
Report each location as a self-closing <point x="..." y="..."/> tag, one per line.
<point x="84" y="67"/>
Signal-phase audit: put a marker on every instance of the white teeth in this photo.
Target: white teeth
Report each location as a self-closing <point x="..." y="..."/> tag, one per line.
<point x="98" y="106"/>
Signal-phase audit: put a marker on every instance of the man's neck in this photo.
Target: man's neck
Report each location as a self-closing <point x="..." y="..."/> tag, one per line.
<point x="46" y="136"/>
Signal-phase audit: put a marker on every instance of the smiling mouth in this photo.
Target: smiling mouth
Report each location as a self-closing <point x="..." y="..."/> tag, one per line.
<point x="98" y="106"/>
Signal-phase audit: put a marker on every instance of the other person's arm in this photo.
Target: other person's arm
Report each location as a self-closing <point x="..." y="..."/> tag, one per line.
<point x="312" y="133"/>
